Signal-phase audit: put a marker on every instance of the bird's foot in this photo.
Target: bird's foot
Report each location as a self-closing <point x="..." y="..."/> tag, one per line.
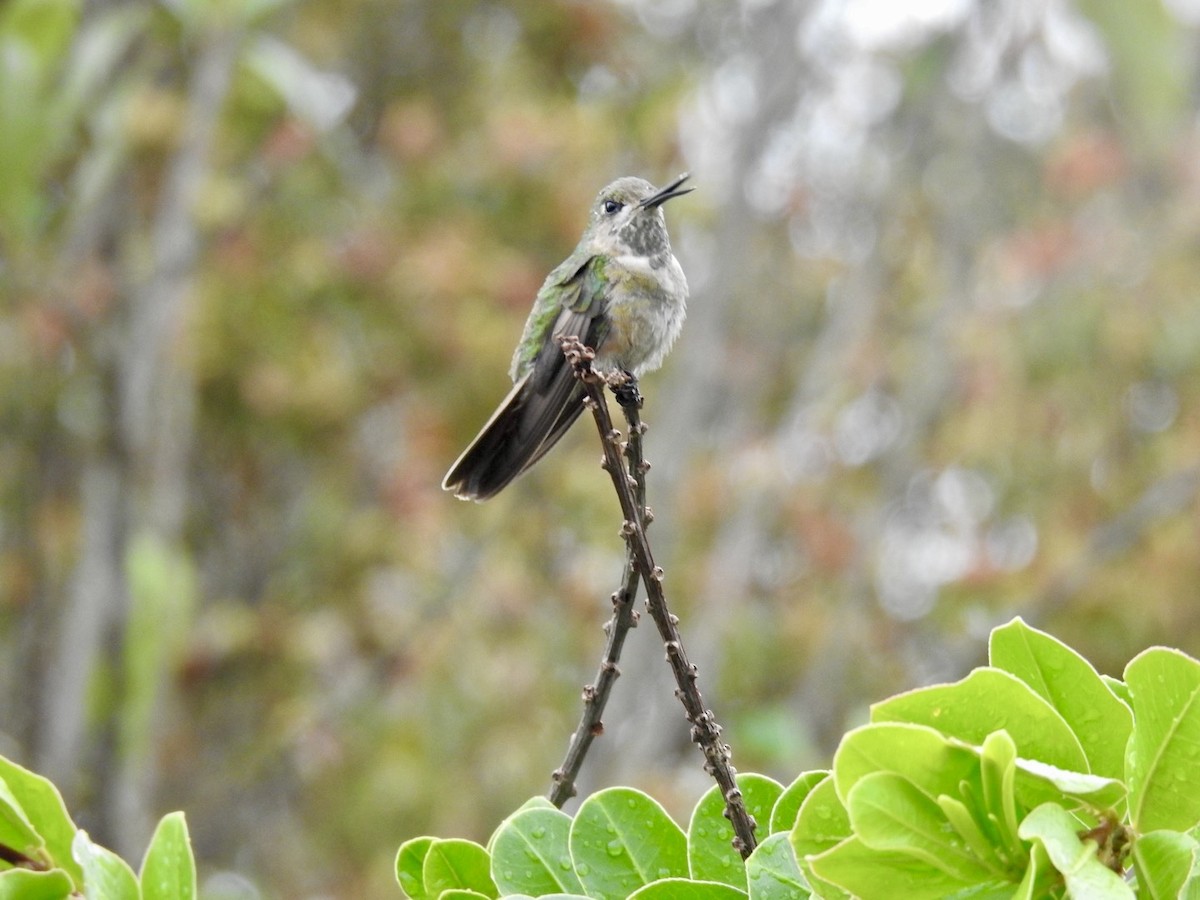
<point x="625" y="388"/>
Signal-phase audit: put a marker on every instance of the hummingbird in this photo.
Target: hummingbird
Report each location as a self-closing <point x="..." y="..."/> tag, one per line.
<point x="622" y="292"/>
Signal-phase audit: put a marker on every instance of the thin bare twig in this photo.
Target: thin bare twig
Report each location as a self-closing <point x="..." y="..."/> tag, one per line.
<point x="625" y="617"/>
<point x="706" y="733"/>
<point x="595" y="695"/>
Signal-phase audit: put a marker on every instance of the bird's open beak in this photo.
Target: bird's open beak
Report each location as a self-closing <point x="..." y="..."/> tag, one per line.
<point x="666" y="193"/>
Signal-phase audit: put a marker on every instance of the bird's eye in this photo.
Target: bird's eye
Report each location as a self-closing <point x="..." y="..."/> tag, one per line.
<point x="612" y="207"/>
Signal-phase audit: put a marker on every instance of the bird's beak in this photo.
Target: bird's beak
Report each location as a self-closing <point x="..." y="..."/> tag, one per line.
<point x="666" y="193"/>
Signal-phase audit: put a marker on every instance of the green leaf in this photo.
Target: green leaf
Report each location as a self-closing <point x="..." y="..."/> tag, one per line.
<point x="410" y="867"/>
<point x="864" y="872"/>
<point x="621" y="839"/>
<point x="1085" y="876"/>
<point x="1097" y="791"/>
<point x="1163" y="861"/>
<point x="168" y="869"/>
<point x="530" y="853"/>
<point x="923" y="756"/>
<point x="822" y="822"/>
<point x="772" y="872"/>
<point x="454" y="863"/>
<point x="821" y="825"/>
<point x="43" y="805"/>
<point x="16" y="831"/>
<point x="1040" y="877"/>
<point x="1070" y="684"/>
<point x="1164" y="753"/>
<point x="461" y="894"/>
<point x="535" y="802"/>
<point x="985" y="701"/>
<point x="890" y="813"/>
<point x="998" y="771"/>
<point x="24" y="884"/>
<point x="685" y="889"/>
<point x="787" y="807"/>
<point x="971" y="831"/>
<point x="105" y="875"/>
<point x="1119" y="689"/>
<point x="711" y="856"/>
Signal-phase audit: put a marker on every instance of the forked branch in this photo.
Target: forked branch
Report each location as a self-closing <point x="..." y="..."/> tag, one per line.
<point x="706" y="733"/>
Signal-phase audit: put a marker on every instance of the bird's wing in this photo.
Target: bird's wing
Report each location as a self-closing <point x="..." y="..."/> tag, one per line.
<point x="547" y="398"/>
<point x="555" y="398"/>
<point x="561" y="290"/>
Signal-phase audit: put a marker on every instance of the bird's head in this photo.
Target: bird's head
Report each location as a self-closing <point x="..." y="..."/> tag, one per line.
<point x="627" y="216"/>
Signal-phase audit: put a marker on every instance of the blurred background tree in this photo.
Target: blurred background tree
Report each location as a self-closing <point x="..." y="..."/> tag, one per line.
<point x="262" y="264"/>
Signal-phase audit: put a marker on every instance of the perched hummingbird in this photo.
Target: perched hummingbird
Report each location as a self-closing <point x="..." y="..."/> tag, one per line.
<point x="621" y="292"/>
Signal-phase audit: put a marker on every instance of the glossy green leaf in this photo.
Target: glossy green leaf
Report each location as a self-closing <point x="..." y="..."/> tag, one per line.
<point x="1093" y="789"/>
<point x="24" y="884"/>
<point x="822" y="822"/>
<point x="43" y="804"/>
<point x="685" y="889"/>
<point x="105" y="875"/>
<point x="772" y="872"/>
<point x="973" y="830"/>
<point x="530" y="853"/>
<point x="821" y="825"/>
<point x="461" y="894"/>
<point x="1040" y="877"/>
<point x="1119" y="689"/>
<point x="711" y="855"/>
<point x="923" y="756"/>
<point x="169" y="870"/>
<point x="1076" y="860"/>
<point x="621" y="839"/>
<point x="985" y="701"/>
<point x="787" y="807"/>
<point x="1163" y="861"/>
<point x="535" y="802"/>
<point x="16" y="830"/>
<point x="1164" y="753"/>
<point x="864" y="872"/>
<point x="1070" y="684"/>
<point x="410" y="867"/>
<point x="998" y="768"/>
<point x="890" y="813"/>
<point x="455" y="863"/>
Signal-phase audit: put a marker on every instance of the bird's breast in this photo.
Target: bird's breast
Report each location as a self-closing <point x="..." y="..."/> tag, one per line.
<point x="646" y="307"/>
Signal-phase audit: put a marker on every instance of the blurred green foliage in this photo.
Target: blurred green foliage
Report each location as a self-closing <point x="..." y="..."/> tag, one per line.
<point x="939" y="369"/>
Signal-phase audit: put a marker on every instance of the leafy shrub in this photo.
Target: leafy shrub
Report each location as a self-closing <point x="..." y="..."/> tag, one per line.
<point x="1033" y="777"/>
<point x="45" y="857"/>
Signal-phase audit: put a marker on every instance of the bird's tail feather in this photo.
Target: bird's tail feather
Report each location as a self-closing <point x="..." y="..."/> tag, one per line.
<point x="525" y="425"/>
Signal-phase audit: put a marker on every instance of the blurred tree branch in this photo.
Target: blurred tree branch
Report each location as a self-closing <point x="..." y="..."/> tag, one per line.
<point x="1169" y="496"/>
<point x="134" y="478"/>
